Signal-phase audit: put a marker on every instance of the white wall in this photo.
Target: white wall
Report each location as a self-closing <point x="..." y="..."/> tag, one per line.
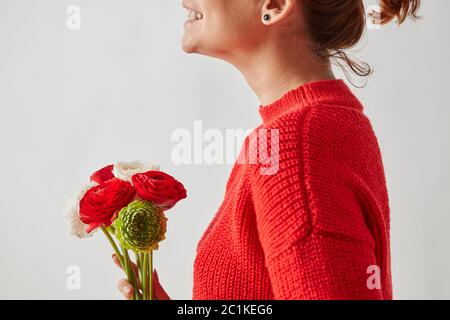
<point x="71" y="101"/>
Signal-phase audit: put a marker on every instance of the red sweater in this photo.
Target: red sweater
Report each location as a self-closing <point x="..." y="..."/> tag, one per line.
<point x="318" y="227"/>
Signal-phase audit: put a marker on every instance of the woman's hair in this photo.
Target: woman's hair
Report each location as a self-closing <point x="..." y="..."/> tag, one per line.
<point x="336" y="25"/>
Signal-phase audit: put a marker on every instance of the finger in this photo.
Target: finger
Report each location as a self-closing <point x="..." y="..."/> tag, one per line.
<point x="135" y="269"/>
<point x="134" y="266"/>
<point x="158" y="290"/>
<point x="126" y="289"/>
<point x="116" y="261"/>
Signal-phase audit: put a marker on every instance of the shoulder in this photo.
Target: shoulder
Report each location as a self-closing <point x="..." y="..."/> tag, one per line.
<point x="319" y="119"/>
<point x="324" y="130"/>
<point x="322" y="150"/>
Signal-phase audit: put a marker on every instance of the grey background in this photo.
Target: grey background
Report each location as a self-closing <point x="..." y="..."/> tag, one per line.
<point x="72" y="101"/>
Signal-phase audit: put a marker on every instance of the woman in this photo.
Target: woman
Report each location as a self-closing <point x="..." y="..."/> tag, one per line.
<point x="318" y="226"/>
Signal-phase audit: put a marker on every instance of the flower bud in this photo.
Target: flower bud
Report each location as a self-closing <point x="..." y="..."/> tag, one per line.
<point x="141" y="226"/>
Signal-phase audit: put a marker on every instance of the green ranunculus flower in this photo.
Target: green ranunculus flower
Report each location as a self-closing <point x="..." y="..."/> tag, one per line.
<point x="141" y="226"/>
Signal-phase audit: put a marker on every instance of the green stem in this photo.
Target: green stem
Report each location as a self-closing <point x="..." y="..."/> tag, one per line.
<point x="130" y="273"/>
<point x="138" y="261"/>
<point x="141" y="270"/>
<point x="113" y="244"/>
<point x="141" y="266"/>
<point x="124" y="261"/>
<point x="125" y="265"/>
<point x="150" y="273"/>
<point x="144" y="276"/>
<point x="137" y="279"/>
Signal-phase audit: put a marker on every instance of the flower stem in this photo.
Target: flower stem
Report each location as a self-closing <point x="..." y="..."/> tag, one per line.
<point x="125" y="265"/>
<point x="141" y="265"/>
<point x="150" y="274"/>
<point x="136" y="256"/>
<point x="124" y="261"/>
<point x="138" y="271"/>
<point x="113" y="244"/>
<point x="130" y="273"/>
<point x="141" y="272"/>
<point x="144" y="276"/>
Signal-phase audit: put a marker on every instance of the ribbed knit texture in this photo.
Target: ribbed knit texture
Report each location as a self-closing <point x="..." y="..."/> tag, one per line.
<point x="312" y="230"/>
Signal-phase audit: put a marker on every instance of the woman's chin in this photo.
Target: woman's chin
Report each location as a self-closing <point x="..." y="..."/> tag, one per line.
<point x="188" y="48"/>
<point x="189" y="45"/>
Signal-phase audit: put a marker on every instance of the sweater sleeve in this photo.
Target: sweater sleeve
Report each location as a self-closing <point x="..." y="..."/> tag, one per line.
<point x="313" y="228"/>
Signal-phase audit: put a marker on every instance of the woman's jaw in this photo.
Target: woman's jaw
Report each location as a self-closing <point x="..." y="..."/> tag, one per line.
<point x="192" y="25"/>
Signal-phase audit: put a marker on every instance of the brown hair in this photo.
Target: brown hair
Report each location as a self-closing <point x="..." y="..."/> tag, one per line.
<point x="336" y="25"/>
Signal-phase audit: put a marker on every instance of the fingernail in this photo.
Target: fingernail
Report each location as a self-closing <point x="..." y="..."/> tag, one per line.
<point x="127" y="289"/>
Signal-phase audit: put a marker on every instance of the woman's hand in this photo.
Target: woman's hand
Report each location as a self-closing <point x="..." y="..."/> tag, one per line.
<point x="127" y="289"/>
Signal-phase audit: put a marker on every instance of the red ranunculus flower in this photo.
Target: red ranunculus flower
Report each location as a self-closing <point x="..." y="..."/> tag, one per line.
<point x="100" y="204"/>
<point x="159" y="187"/>
<point x="103" y="174"/>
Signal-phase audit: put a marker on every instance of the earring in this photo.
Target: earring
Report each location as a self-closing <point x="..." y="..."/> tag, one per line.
<point x="266" y="17"/>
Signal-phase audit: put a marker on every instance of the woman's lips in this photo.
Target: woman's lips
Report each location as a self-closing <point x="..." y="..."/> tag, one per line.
<point x="192" y="14"/>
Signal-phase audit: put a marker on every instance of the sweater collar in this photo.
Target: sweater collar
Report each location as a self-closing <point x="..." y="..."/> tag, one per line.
<point x="333" y="92"/>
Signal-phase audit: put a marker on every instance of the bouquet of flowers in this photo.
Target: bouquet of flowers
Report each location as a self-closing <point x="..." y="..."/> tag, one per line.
<point x="127" y="202"/>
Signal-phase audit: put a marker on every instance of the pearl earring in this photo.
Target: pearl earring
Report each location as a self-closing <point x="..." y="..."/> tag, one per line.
<point x="266" y="17"/>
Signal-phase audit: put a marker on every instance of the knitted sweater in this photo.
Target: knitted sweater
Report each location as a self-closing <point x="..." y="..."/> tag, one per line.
<point x="316" y="226"/>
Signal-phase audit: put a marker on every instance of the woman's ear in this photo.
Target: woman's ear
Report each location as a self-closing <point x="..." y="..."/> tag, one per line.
<point x="274" y="11"/>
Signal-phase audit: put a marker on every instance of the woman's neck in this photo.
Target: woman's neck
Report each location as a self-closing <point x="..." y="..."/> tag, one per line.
<point x="273" y="70"/>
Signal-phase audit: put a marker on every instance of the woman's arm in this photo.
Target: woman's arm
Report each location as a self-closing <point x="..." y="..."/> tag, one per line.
<point x="313" y="227"/>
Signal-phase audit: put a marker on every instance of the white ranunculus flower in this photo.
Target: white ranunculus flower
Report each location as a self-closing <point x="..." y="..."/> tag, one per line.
<point x="72" y="214"/>
<point x="125" y="170"/>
